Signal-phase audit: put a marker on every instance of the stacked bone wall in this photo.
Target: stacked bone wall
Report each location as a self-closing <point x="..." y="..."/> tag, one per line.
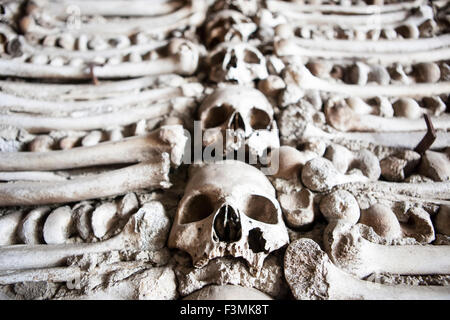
<point x="350" y="100"/>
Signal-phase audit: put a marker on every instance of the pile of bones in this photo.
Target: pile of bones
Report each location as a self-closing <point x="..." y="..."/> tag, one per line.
<point x="347" y="99"/>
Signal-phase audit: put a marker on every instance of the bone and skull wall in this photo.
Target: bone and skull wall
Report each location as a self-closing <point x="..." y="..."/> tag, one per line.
<point x="100" y="103"/>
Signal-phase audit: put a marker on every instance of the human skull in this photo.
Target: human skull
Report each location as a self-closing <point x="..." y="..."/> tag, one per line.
<point x="229" y="208"/>
<point x="240" y="62"/>
<point x="247" y="7"/>
<point x="227" y="26"/>
<point x="241" y="116"/>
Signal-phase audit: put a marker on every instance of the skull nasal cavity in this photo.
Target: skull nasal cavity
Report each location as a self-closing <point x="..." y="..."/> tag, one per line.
<point x="237" y="122"/>
<point x="227" y="225"/>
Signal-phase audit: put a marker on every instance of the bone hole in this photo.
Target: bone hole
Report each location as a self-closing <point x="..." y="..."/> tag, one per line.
<point x="237" y="122"/>
<point x="217" y="116"/>
<point x="256" y="241"/>
<point x="198" y="208"/>
<point x="218" y="58"/>
<point x="227" y="225"/>
<point x="259" y="119"/>
<point x="261" y="209"/>
<point x="251" y="57"/>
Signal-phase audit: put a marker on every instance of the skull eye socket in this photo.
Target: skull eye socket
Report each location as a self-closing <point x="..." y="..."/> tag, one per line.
<point x="251" y="57"/>
<point x="218" y="58"/>
<point x="259" y="119"/>
<point x="217" y="116"/>
<point x="198" y="208"/>
<point x="261" y="209"/>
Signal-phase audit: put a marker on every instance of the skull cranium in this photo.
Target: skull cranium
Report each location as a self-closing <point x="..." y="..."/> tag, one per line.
<point x="238" y="62"/>
<point x="227" y="26"/>
<point x="240" y="116"/>
<point x="229" y="208"/>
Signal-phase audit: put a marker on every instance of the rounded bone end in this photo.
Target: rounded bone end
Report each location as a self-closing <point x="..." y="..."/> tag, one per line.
<point x="290" y="161"/>
<point x="319" y="174"/>
<point x="58" y="226"/>
<point x="306" y="269"/>
<point x="298" y="208"/>
<point x="340" y="205"/>
<point x="382" y="220"/>
<point x="187" y="55"/>
<point x="408" y="108"/>
<point x="227" y="292"/>
<point x="442" y="222"/>
<point x="427" y="72"/>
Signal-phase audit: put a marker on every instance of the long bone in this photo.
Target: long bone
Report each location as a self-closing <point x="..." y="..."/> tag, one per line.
<point x="43" y="124"/>
<point x="191" y="14"/>
<point x="352" y="253"/>
<point x="407" y="140"/>
<point x="311" y="275"/>
<point x="306" y="81"/>
<point x="168" y="139"/>
<point x="288" y="47"/>
<point x="15" y="103"/>
<point x="152" y="174"/>
<point x="345" y="118"/>
<point x="103" y="90"/>
<point x="183" y="59"/>
<point x="107" y="8"/>
<point x="282" y="6"/>
<point x="135" y="236"/>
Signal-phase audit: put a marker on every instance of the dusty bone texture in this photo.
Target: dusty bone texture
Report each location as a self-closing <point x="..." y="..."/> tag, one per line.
<point x="147" y="175"/>
<point x="311" y="276"/>
<point x="227" y="292"/>
<point x="358" y="256"/>
<point x="234" y="272"/>
<point x="169" y="139"/>
<point x="246" y="114"/>
<point x="147" y="229"/>
<point x="231" y="207"/>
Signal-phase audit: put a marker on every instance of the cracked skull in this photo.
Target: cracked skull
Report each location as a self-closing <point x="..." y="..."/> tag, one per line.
<point x="238" y="62"/>
<point x="227" y="26"/>
<point x="240" y="116"/>
<point x="229" y="208"/>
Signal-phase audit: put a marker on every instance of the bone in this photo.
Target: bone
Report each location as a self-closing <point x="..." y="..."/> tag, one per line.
<point x="106" y="8"/>
<point x="382" y="220"/>
<point x="183" y="59"/>
<point x="45" y="124"/>
<point x="168" y="139"/>
<point x="15" y="103"/>
<point x="58" y="226"/>
<point x="227" y="292"/>
<point x="41" y="143"/>
<point x="82" y="214"/>
<point x="340" y="205"/>
<point x="290" y="47"/>
<point x="442" y="221"/>
<point x="436" y="165"/>
<point x="298" y="208"/>
<point x="345" y="119"/>
<point x="31" y="176"/>
<point x="419" y="226"/>
<point x="406" y="140"/>
<point x="137" y="235"/>
<point x="146" y="175"/>
<point x="311" y="275"/>
<point x="30" y="229"/>
<point x="282" y="6"/>
<point x="352" y="253"/>
<point x="303" y="77"/>
<point x="319" y="174"/>
<point x="103" y="219"/>
<point x="345" y="160"/>
<point x="290" y="161"/>
<point x="9" y="223"/>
